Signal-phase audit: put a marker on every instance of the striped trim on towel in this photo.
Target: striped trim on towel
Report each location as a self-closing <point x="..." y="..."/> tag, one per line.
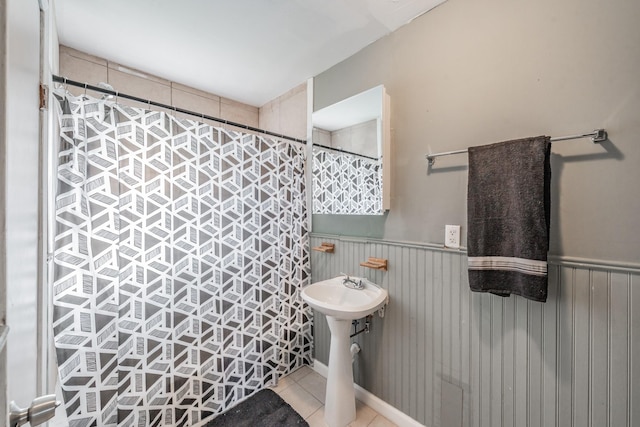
<point x="522" y="265"/>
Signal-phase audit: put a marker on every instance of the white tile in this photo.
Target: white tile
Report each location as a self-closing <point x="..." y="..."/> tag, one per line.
<point x="322" y="137"/>
<point x="269" y="117"/>
<point x="293" y="116"/>
<point x="317" y="419"/>
<point x="140" y="87"/>
<point x="300" y="400"/>
<point x="364" y="415"/>
<point x="315" y="384"/>
<point x="195" y="103"/>
<point x="300" y="373"/>
<point x="136" y="73"/>
<point x="194" y="91"/>
<point x="66" y="50"/>
<point x="287" y="114"/>
<point x="341" y="139"/>
<point x="82" y="70"/>
<point x="380" y="421"/>
<point x="283" y="383"/>
<point x="238" y="112"/>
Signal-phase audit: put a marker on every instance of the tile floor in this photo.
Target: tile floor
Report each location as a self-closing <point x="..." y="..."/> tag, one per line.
<point x="304" y="390"/>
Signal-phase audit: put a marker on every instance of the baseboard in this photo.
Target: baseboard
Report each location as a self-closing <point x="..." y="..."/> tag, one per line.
<point x="380" y="406"/>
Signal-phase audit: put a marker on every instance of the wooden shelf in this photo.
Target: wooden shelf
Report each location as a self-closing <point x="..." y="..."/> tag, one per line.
<point x="375" y="263"/>
<point x="325" y="247"/>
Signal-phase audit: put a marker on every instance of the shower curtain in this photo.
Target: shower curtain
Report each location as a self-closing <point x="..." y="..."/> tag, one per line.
<point x="346" y="184"/>
<point x="180" y="250"/>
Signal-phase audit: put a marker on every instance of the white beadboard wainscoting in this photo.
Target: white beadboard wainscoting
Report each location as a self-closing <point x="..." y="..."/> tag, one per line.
<point x="573" y="361"/>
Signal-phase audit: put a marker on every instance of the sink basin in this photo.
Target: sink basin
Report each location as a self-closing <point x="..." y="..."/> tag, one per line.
<point x="332" y="298"/>
<point x="342" y="305"/>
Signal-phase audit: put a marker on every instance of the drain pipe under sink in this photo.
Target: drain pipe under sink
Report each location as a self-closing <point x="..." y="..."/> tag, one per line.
<point x="355" y="349"/>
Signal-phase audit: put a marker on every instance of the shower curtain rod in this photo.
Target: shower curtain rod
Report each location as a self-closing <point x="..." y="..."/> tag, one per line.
<point x="117" y="94"/>
<point x="597" y="136"/>
<point x="344" y="151"/>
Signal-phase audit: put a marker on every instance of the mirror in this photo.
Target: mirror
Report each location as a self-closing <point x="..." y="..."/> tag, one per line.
<point x="351" y="174"/>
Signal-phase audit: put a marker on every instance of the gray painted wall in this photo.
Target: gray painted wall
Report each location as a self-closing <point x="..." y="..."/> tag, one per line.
<point x="573" y="361"/>
<point x="475" y="72"/>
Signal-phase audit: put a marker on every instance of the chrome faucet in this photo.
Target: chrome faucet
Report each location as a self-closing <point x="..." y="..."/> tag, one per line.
<point x="351" y="283"/>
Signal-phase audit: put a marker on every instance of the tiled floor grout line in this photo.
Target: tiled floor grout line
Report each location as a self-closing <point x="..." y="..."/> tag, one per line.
<point x="297" y="378"/>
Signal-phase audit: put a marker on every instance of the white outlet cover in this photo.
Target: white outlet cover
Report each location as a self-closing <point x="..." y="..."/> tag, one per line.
<point x="452" y="236"/>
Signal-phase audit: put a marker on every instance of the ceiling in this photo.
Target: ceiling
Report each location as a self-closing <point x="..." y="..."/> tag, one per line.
<point x="251" y="51"/>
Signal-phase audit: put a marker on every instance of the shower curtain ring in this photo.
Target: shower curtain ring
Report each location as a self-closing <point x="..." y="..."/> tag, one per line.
<point x="85" y="90"/>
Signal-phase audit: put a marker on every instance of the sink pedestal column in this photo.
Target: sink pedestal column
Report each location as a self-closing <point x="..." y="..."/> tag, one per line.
<point x="340" y="400"/>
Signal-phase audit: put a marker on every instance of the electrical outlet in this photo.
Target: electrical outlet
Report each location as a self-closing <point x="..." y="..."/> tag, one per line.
<point x="452" y="236"/>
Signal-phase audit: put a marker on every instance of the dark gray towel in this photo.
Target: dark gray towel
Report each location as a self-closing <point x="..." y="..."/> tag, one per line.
<point x="508" y="217"/>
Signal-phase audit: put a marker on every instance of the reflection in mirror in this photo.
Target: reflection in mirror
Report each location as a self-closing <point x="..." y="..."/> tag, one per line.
<point x="346" y="184"/>
<point x="348" y="152"/>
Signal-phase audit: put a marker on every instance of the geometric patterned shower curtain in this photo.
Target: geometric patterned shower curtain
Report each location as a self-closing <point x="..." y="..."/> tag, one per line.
<point x="346" y="184"/>
<point x="180" y="250"/>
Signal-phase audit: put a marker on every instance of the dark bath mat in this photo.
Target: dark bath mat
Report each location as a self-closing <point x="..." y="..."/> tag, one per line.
<point x="263" y="409"/>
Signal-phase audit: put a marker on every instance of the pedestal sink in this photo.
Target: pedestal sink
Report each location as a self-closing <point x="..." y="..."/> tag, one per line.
<point x="342" y="304"/>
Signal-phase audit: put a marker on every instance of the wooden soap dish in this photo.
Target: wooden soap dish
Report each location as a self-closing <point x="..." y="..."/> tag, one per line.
<point x="375" y="263"/>
<point x="325" y="247"/>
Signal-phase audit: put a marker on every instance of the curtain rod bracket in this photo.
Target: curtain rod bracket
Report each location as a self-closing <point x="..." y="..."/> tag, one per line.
<point x="600" y="136"/>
